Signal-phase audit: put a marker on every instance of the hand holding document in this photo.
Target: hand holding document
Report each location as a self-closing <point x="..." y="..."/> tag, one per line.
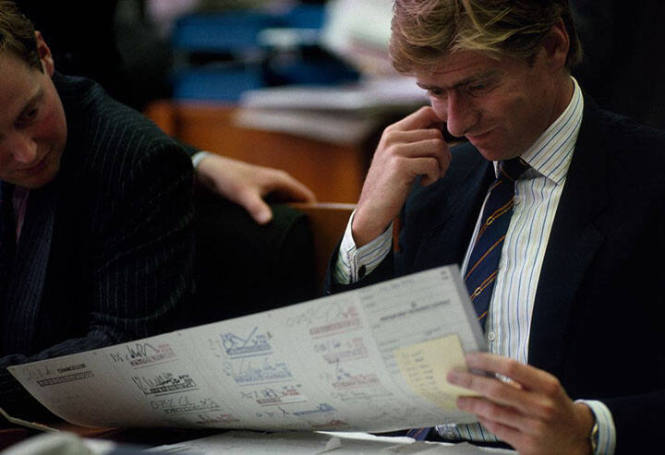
<point x="373" y="359"/>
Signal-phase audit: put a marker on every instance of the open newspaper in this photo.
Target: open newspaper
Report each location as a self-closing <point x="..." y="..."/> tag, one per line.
<point x="373" y="359"/>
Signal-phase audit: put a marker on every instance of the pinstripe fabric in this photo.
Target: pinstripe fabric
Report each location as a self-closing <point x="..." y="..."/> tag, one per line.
<point x="105" y="253"/>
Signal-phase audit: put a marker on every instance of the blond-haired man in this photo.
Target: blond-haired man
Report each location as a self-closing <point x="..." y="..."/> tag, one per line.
<point x="573" y="313"/>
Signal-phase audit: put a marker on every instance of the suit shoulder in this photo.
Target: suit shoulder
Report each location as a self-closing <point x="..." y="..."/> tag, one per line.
<point x="634" y="149"/>
<point x="98" y="122"/>
<point x="617" y="132"/>
<point x="105" y="135"/>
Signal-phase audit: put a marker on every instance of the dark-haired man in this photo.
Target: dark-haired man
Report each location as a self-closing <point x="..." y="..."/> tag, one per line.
<point x="96" y="238"/>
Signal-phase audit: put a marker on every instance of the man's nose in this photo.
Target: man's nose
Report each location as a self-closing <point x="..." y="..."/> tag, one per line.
<point x="460" y="115"/>
<point x="22" y="147"/>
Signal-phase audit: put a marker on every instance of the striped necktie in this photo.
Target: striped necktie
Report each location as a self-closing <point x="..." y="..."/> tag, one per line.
<point x="484" y="260"/>
<point x="483" y="265"/>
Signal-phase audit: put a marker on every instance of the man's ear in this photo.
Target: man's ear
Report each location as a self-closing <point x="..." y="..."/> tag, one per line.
<point x="557" y="45"/>
<point x="44" y="54"/>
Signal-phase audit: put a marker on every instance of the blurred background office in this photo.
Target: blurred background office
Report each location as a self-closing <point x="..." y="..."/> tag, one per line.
<point x="142" y="50"/>
<point x="306" y="85"/>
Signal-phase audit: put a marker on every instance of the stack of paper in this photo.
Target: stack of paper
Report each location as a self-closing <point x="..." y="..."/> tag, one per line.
<point x="346" y="114"/>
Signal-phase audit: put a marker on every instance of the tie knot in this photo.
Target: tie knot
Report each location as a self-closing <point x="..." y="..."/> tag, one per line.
<point x="513" y="168"/>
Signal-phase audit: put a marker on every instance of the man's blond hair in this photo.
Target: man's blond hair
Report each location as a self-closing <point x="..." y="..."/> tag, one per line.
<point x="423" y="31"/>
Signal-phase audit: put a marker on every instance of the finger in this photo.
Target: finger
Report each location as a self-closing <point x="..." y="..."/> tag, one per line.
<point x="529" y="438"/>
<point x="428" y="168"/>
<point x="527" y="402"/>
<point x="492" y="388"/>
<point x="505" y="433"/>
<point x="529" y="377"/>
<point x="410" y="136"/>
<point x="512" y="427"/>
<point x="424" y="117"/>
<point x="255" y="206"/>
<point x="291" y="189"/>
<point x="431" y="148"/>
<point x="494" y="412"/>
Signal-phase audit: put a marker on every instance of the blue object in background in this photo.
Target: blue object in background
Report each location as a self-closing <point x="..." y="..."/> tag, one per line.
<point x="238" y="31"/>
<point x="304" y="16"/>
<point x="219" y="55"/>
<point x="312" y="66"/>
<point x="216" y="84"/>
<point x="221" y="32"/>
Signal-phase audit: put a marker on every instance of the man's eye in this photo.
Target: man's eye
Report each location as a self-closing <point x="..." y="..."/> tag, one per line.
<point x="476" y="89"/>
<point x="32" y="113"/>
<point x="437" y="92"/>
<point x="480" y="88"/>
<point x="29" y="115"/>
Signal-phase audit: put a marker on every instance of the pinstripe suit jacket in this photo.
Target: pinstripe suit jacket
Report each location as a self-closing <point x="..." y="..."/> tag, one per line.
<point x="106" y="249"/>
<point x="598" y="315"/>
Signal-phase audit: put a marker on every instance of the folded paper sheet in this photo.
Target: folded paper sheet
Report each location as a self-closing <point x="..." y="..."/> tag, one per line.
<point x="373" y="359"/>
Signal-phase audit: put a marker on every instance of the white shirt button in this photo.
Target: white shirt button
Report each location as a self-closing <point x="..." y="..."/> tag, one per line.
<point x="491" y="336"/>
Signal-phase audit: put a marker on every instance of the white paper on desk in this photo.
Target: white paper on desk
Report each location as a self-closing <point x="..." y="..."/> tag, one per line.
<point x="347" y="114"/>
<point x="363" y="360"/>
<point x="371" y="95"/>
<point x="330" y="126"/>
<point x="318" y="443"/>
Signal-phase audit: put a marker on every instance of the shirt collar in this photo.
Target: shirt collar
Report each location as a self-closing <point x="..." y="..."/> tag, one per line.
<point x="550" y="155"/>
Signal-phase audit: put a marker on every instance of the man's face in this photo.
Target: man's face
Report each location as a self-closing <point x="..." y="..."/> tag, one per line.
<point x="33" y="130"/>
<point x="501" y="106"/>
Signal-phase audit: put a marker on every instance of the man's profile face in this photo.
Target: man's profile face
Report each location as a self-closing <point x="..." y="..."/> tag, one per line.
<point x="500" y="105"/>
<point x="33" y="130"/>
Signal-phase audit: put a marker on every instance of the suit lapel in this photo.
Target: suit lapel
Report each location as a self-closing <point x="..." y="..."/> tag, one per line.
<point x="455" y="217"/>
<point x="24" y="293"/>
<point x="573" y="243"/>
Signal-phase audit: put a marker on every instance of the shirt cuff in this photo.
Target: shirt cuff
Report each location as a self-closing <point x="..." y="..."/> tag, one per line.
<point x="606" y="430"/>
<point x="198" y="157"/>
<point x="353" y="263"/>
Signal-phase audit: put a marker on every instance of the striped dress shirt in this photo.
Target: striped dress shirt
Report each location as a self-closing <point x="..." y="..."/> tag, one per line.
<point x="537" y="196"/>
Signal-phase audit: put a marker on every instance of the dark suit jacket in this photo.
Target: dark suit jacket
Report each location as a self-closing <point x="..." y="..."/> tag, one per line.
<point x="599" y="311"/>
<point x="106" y="250"/>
